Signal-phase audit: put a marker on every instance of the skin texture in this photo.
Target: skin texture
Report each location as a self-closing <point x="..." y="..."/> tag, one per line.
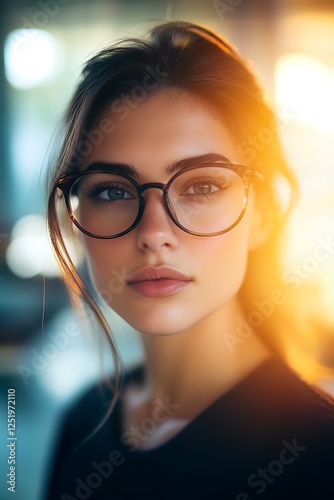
<point x="187" y="357"/>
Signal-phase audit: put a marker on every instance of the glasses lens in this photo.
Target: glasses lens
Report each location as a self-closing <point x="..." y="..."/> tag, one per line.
<point x="104" y="204"/>
<point x="207" y="200"/>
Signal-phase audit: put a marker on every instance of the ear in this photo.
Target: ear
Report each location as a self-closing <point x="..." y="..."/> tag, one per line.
<point x="261" y="225"/>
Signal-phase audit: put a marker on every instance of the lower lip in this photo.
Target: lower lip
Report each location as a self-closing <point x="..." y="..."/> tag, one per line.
<point x="159" y="288"/>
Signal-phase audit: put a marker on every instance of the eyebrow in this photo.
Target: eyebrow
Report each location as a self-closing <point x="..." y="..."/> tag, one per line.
<point x="170" y="169"/>
<point x="195" y="160"/>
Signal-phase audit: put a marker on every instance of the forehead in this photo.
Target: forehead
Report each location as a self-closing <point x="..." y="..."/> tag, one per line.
<point x="169" y="126"/>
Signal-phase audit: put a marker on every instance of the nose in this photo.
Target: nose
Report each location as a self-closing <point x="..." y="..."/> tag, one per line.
<point x="156" y="231"/>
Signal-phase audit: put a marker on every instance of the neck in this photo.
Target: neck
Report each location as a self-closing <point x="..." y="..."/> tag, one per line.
<point x="193" y="368"/>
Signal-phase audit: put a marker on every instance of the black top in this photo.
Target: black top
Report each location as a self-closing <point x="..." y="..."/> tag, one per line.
<point x="269" y="437"/>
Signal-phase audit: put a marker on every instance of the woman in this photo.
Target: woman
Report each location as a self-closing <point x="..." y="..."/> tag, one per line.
<point x="180" y="220"/>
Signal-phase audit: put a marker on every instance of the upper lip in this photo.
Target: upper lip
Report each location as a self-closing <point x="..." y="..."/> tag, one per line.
<point x="156" y="273"/>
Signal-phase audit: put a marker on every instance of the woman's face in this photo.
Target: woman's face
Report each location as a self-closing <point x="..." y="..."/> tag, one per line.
<point x="156" y="133"/>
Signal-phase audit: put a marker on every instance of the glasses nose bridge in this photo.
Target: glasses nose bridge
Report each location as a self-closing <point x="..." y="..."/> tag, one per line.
<point x="153" y="185"/>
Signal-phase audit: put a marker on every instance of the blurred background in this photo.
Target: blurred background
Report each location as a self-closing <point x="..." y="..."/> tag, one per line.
<point x="46" y="353"/>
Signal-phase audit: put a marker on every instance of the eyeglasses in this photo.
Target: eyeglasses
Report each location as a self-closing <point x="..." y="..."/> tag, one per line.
<point x="203" y="200"/>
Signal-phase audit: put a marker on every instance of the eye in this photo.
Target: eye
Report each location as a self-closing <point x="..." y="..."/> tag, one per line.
<point x="114" y="193"/>
<point x="111" y="192"/>
<point x="202" y="188"/>
<point x="205" y="186"/>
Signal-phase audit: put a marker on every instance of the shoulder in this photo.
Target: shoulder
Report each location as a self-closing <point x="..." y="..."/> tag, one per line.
<point x="280" y="434"/>
<point x="272" y="406"/>
<point x="282" y="392"/>
<point x="85" y="413"/>
<point x="310" y="398"/>
<point x="81" y="421"/>
<point x="91" y="408"/>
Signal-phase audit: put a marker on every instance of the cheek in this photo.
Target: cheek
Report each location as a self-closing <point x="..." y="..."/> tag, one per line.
<point x="223" y="263"/>
<point x="107" y="262"/>
<point x="224" y="258"/>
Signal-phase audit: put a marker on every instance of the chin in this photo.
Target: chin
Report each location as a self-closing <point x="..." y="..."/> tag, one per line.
<point x="159" y="328"/>
<point x="157" y="321"/>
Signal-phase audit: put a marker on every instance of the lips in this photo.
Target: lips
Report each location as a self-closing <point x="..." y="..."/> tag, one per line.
<point x="158" y="281"/>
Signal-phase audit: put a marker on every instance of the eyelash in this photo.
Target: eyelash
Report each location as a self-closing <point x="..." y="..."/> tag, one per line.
<point x="94" y="191"/>
<point x="209" y="180"/>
